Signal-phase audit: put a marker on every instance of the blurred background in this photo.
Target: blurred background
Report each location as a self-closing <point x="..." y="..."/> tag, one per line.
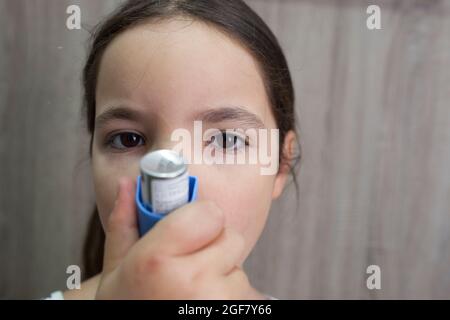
<point x="374" y="114"/>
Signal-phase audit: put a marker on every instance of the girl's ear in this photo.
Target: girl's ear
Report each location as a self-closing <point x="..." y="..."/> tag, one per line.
<point x="285" y="161"/>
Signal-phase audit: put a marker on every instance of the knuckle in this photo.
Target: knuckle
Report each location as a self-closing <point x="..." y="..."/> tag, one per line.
<point x="150" y="264"/>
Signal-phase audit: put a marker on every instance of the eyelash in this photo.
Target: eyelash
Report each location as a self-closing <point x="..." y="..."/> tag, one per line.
<point x="110" y="141"/>
<point x="224" y="140"/>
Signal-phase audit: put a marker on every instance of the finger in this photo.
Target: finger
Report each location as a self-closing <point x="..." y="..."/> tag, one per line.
<point x="186" y="229"/>
<point x="121" y="230"/>
<point x="222" y="255"/>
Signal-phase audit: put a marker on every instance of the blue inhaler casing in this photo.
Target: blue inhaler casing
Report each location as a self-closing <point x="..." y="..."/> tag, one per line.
<point x="146" y="217"/>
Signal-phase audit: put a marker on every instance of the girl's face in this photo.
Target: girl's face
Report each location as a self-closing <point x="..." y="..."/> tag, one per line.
<point x="158" y="77"/>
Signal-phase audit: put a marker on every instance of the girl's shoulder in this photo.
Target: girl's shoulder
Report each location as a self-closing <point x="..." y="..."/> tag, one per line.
<point x="56" y="295"/>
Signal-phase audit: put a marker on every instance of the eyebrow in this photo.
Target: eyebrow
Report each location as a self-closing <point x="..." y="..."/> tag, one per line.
<point x="119" y="112"/>
<point x="242" y="117"/>
<point x="239" y="115"/>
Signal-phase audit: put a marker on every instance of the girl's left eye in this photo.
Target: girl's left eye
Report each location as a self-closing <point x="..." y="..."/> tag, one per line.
<point x="228" y="141"/>
<point x="125" y="140"/>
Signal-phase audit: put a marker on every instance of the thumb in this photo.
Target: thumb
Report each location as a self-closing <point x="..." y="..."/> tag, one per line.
<point x="121" y="230"/>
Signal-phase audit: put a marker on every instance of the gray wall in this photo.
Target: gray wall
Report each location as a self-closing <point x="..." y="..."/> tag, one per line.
<point x="375" y="127"/>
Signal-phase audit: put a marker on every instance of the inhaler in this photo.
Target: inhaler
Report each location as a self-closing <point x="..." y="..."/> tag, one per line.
<point x="163" y="186"/>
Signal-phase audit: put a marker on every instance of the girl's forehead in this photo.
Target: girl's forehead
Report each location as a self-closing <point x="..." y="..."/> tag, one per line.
<point x="179" y="63"/>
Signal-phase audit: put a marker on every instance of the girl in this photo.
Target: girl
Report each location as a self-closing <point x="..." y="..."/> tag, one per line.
<point x="155" y="66"/>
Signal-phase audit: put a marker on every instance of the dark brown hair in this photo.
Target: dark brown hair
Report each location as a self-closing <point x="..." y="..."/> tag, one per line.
<point x="233" y="17"/>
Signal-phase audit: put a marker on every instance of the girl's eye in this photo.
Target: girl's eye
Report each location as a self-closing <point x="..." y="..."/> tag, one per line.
<point x="125" y="140"/>
<point x="228" y="141"/>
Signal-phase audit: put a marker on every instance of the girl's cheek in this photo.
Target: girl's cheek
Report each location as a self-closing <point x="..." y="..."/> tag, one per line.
<point x="246" y="211"/>
<point x="241" y="192"/>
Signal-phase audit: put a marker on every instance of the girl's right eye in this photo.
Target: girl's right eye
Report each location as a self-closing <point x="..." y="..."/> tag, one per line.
<point x="125" y="140"/>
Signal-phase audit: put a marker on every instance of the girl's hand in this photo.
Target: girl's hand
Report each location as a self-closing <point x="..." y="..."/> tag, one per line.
<point x="187" y="255"/>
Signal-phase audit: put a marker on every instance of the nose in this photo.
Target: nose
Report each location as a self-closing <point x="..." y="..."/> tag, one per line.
<point x="175" y="141"/>
<point x="173" y="138"/>
<point x="164" y="143"/>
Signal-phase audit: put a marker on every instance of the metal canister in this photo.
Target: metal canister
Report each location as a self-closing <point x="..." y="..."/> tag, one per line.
<point x="164" y="181"/>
